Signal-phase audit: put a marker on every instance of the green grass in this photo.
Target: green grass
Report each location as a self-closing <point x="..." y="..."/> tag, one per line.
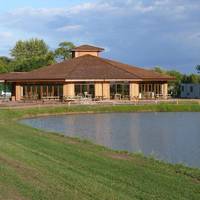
<point x="37" y="165"/>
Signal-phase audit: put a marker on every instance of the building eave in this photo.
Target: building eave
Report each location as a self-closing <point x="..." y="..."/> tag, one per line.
<point x="158" y="79"/>
<point x="102" y="80"/>
<point x="33" y="80"/>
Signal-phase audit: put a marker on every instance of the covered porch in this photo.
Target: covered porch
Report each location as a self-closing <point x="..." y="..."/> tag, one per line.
<point x="94" y="90"/>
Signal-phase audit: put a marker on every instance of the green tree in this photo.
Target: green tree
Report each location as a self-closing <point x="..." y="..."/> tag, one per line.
<point x="4" y="64"/>
<point x="32" y="63"/>
<point x="159" y="70"/>
<point x="63" y="52"/>
<point x="3" y="67"/>
<point x="29" y="48"/>
<point x="31" y="54"/>
<point x="198" y="68"/>
<point x="191" y="78"/>
<point x="174" y="86"/>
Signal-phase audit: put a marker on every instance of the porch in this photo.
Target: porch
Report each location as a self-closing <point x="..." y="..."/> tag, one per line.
<point x="57" y="91"/>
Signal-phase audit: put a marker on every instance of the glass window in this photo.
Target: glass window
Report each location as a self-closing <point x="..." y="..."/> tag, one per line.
<point x="126" y="89"/>
<point x="77" y="89"/>
<point x="140" y="88"/>
<point x="44" y="89"/>
<point x="81" y="89"/>
<point x="50" y="90"/>
<point x="150" y="88"/>
<point x="146" y="88"/>
<point x="119" y="88"/>
<point x="29" y="90"/>
<point x="112" y="89"/>
<point x="92" y="90"/>
<point x="60" y="91"/>
<point x="191" y="89"/>
<point x="84" y="89"/>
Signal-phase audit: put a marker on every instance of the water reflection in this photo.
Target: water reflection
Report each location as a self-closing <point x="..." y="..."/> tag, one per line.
<point x="174" y="137"/>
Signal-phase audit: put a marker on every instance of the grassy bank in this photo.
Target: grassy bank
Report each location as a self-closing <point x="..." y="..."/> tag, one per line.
<point x="37" y="165"/>
<point x="24" y="112"/>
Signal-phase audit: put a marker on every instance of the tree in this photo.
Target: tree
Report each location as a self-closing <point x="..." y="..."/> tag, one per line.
<point x="191" y="78"/>
<point x="5" y="59"/>
<point x="31" y="54"/>
<point x="63" y="52"/>
<point x="174" y="86"/>
<point x="22" y="65"/>
<point x="159" y="70"/>
<point x="29" y="48"/>
<point x="3" y="67"/>
<point x="198" y="68"/>
<point x="4" y="64"/>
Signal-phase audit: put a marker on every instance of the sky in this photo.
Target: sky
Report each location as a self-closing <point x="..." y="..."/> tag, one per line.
<point x="144" y="33"/>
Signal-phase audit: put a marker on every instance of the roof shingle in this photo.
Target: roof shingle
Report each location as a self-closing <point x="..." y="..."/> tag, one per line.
<point x="87" y="48"/>
<point x="88" y="67"/>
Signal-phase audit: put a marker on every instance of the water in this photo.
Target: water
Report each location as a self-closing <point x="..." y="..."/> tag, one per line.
<point x="173" y="137"/>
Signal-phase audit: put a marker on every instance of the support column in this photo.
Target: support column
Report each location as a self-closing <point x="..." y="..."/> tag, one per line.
<point x="21" y="91"/>
<point x="98" y="89"/>
<point x="106" y="90"/>
<point x="68" y="89"/>
<point x="165" y="90"/>
<point x="17" y="92"/>
<point x="134" y="90"/>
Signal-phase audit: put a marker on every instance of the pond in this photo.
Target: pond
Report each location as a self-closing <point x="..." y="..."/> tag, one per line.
<point x="172" y="137"/>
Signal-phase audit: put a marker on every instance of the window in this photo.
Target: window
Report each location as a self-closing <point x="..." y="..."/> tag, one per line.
<point x="150" y="87"/>
<point x="119" y="88"/>
<point x="43" y="90"/>
<point x="126" y="89"/>
<point x="82" y="88"/>
<point x="191" y="89"/>
<point x="182" y="88"/>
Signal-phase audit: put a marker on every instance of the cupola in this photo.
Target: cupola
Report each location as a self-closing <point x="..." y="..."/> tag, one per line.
<point x="86" y="49"/>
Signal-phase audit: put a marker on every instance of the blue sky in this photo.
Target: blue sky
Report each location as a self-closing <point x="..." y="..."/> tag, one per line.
<point x="145" y="33"/>
<point x="14" y="4"/>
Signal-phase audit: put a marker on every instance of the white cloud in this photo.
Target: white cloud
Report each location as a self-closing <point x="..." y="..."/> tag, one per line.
<point x="69" y="28"/>
<point x="158" y="32"/>
<point x="5" y="35"/>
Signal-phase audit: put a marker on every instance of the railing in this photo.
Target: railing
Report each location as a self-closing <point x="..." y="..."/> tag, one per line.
<point x="4" y="98"/>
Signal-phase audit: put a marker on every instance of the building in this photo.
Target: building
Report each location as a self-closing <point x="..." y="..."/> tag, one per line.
<point x="189" y="90"/>
<point x="88" y="73"/>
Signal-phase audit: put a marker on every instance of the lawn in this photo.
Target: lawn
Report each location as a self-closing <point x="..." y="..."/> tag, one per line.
<point x="38" y="165"/>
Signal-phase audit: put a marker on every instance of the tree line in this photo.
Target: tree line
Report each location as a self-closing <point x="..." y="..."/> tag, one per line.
<point x="33" y="54"/>
<point x="174" y="86"/>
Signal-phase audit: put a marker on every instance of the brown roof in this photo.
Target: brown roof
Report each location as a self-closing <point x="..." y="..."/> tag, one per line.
<point x="11" y="75"/>
<point x="87" y="48"/>
<point x="88" y="67"/>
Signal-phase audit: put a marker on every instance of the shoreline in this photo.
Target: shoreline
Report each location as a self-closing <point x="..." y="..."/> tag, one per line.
<point x="21" y="105"/>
